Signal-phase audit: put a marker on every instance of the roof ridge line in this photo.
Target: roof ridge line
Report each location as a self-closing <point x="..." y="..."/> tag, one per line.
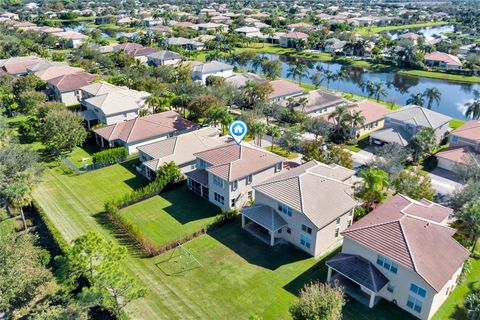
<point x="133" y="127"/>
<point x="408" y="246"/>
<point x="370" y="226"/>
<point x="426" y="117"/>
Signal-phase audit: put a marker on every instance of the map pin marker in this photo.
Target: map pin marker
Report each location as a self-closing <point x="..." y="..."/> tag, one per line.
<point x="238" y="130"/>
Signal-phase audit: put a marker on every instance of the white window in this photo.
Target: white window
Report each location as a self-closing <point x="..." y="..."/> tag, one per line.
<point x="278" y="167"/>
<point x="289" y="230"/>
<point x="418" y="290"/>
<point x="218" y="198"/>
<point x="234" y="185"/>
<point x="232" y="202"/>
<point x="306" y="229"/>
<point x="387" y="264"/>
<point x="414" y="304"/>
<point x="218" y="181"/>
<point x="338" y="220"/>
<point x="349" y="223"/>
<point x="337" y="232"/>
<point x="249" y="179"/>
<point x="305" y="241"/>
<point x="189" y="183"/>
<point x="390" y="288"/>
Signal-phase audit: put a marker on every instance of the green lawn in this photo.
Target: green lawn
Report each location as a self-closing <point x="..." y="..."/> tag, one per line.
<point x="362" y="143"/>
<point x="373" y="30"/>
<point x="174" y="214"/>
<point x="441" y="75"/>
<point x="240" y="275"/>
<point x="452" y="308"/>
<point x="455" y="123"/>
<point x="282" y="152"/>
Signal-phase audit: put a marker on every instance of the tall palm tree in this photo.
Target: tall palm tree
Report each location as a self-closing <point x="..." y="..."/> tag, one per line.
<point x="355" y="120"/>
<point x="249" y="91"/>
<point x="473" y="109"/>
<point x="19" y="195"/>
<point x="298" y="70"/>
<point x="373" y="187"/>
<point x="257" y="62"/>
<point x="340" y="76"/>
<point x="416" y="99"/>
<point x="316" y="79"/>
<point x="432" y="95"/>
<point x="368" y="87"/>
<point x="469" y="215"/>
<point x="380" y="90"/>
<point x="153" y="102"/>
<point x="214" y="115"/>
<point x="274" y="132"/>
<point x="328" y="76"/>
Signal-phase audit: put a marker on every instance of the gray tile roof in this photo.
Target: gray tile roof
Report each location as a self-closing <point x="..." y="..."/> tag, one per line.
<point x="212" y="67"/>
<point x="359" y="270"/>
<point x="164" y="55"/>
<point x="320" y="197"/>
<point x="390" y="135"/>
<point x="419" y="116"/>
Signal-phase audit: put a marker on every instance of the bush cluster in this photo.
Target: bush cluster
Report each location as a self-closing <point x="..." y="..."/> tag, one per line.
<point x="110" y="156"/>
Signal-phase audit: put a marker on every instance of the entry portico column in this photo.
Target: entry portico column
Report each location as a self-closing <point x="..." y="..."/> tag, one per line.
<point x="243" y="221"/>
<point x="372" y="300"/>
<point x="329" y="274"/>
<point x="272" y="238"/>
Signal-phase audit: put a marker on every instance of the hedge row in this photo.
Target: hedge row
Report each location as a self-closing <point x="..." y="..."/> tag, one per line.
<point x="169" y="173"/>
<point x="152" y="249"/>
<point x="52" y="229"/>
<point x="110" y="156"/>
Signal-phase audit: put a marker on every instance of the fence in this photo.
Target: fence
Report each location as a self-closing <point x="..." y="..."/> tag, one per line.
<point x="89" y="167"/>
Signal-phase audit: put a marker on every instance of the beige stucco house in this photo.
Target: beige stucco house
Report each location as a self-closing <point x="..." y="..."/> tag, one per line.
<point x="226" y="174"/>
<point x="308" y="206"/>
<point x="403" y="252"/>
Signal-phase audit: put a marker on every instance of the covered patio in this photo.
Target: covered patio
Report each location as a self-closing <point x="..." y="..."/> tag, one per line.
<point x="197" y="182"/>
<point x="358" y="277"/>
<point x="263" y="222"/>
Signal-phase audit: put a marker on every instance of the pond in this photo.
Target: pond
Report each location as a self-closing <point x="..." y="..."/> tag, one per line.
<point x="428" y="32"/>
<point x="454" y="94"/>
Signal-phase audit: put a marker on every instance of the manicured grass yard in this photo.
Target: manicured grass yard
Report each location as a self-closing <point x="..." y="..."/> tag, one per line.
<point x="172" y="215"/>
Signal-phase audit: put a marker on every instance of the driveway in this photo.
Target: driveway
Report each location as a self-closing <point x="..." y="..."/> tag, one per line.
<point x="443" y="181"/>
<point x="362" y="157"/>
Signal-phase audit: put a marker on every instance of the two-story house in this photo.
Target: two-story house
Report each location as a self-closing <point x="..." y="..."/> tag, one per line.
<point x="66" y="88"/>
<point x="308" y="206"/>
<point x="464" y="140"/>
<point x="401" y="125"/>
<point x="201" y="72"/>
<point x="226" y="174"/>
<point x="403" y="252"/>
<point x="105" y="103"/>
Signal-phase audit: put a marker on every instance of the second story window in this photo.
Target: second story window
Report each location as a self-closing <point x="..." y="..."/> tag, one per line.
<point x="387" y="264"/>
<point x="306" y="229"/>
<point x="454" y="139"/>
<point x="418" y="290"/>
<point x="285" y="209"/>
<point x="249" y="179"/>
<point x="278" y="167"/>
<point x="218" y="181"/>
<point x="234" y="185"/>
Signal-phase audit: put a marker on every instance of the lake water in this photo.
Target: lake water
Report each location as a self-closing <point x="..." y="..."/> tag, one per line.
<point x="428" y="32"/>
<point x="454" y="94"/>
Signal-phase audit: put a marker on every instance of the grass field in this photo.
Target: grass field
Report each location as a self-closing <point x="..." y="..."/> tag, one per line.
<point x="373" y="30"/>
<point x="441" y="75"/>
<point x="240" y="275"/>
<point x="172" y="215"/>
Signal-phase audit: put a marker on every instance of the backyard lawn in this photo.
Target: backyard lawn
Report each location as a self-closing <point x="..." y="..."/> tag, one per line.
<point x="168" y="217"/>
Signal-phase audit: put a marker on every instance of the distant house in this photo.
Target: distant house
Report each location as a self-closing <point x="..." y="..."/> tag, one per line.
<point x="410" y="38"/>
<point x="308" y="206"/>
<point x="66" y="88"/>
<point x="463" y="141"/>
<point x="248" y="31"/>
<point x="334" y="45"/>
<point x="185" y="44"/>
<point x="44" y="64"/>
<point x="137" y="132"/>
<point x="141" y="54"/>
<point x="401" y="125"/>
<point x="300" y="25"/>
<point x="320" y="102"/>
<point x="72" y="39"/>
<point x="180" y="149"/>
<point x="163" y="30"/>
<point x="108" y="104"/>
<point x="373" y="113"/>
<point x="239" y="80"/>
<point x="201" y="72"/>
<point x="163" y="58"/>
<point x="17" y="66"/>
<point x="283" y="89"/>
<point x="403" y="252"/>
<point x="211" y="27"/>
<point x="442" y="60"/>
<point x="225" y="175"/>
<point x="292" y="39"/>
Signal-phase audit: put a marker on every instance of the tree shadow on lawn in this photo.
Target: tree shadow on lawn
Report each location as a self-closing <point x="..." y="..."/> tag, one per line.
<point x="253" y="250"/>
<point x="186" y="207"/>
<point x="138" y="181"/>
<point x="120" y="235"/>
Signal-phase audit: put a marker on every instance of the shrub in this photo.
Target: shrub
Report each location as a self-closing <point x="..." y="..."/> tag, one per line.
<point x="110" y="156"/>
<point x="360" y="212"/>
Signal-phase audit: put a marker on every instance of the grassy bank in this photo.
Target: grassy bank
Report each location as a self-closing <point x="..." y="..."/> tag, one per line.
<point x="441" y="75"/>
<point x="373" y="30"/>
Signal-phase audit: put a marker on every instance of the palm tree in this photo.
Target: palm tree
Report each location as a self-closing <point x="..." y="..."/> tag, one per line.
<point x="316" y="79"/>
<point x="249" y="91"/>
<point x="380" y="90"/>
<point x="225" y="121"/>
<point x="257" y="130"/>
<point x="274" y="132"/>
<point x="356" y="120"/>
<point x="341" y="75"/>
<point x="473" y="109"/>
<point x="214" y="115"/>
<point x="298" y="70"/>
<point x="368" y="87"/>
<point x="423" y="143"/>
<point x="432" y="95"/>
<point x="328" y="76"/>
<point x="153" y="102"/>
<point x="373" y="187"/>
<point x="302" y="103"/>
<point x="19" y="195"/>
<point x="257" y="62"/>
<point x="470" y="218"/>
<point x="340" y="115"/>
<point x="416" y="99"/>
<point x="213" y="55"/>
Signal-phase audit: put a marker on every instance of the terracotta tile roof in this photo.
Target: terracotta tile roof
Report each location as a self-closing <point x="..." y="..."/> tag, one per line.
<point x="469" y="130"/>
<point x="232" y="162"/>
<point x="320" y="197"/>
<point x="70" y="82"/>
<point x="143" y="128"/>
<point x="18" y="65"/>
<point x="139" y="52"/>
<point x="409" y="233"/>
<point x="409" y="35"/>
<point x="283" y="88"/>
<point x="127" y="46"/>
<point x="296" y="35"/>
<point x="318" y="99"/>
<point x="455" y="154"/>
<point x="371" y="110"/>
<point x="444" y="57"/>
<point x="56" y="71"/>
<point x="70" y="35"/>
